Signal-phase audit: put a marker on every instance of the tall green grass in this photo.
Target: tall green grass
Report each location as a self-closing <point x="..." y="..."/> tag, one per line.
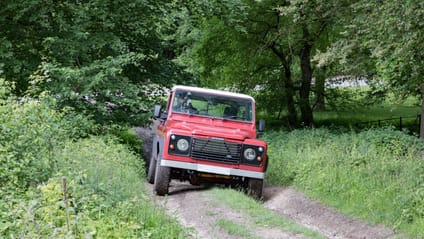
<point x="377" y="174"/>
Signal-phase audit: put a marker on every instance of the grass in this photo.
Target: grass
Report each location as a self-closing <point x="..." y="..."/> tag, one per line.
<point x="359" y="114"/>
<point x="234" y="228"/>
<point x="369" y="116"/>
<point x="256" y="211"/>
<point x="376" y="174"/>
<point x="353" y="109"/>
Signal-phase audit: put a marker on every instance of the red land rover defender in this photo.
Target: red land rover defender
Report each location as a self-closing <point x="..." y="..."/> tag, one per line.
<point x="207" y="136"/>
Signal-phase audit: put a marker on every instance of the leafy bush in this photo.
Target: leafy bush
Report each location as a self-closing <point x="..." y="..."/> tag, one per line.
<point x="127" y="136"/>
<point x="375" y="174"/>
<point x="29" y="134"/>
<point x="106" y="198"/>
<point x="31" y="131"/>
<point x="78" y="125"/>
<point x="106" y="195"/>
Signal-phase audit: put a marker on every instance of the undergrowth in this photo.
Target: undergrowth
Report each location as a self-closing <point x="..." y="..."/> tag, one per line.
<point x="42" y="149"/>
<point x="376" y="174"/>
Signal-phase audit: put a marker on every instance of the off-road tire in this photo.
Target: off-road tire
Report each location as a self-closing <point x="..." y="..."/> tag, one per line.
<point x="152" y="170"/>
<point x="254" y="187"/>
<point x="162" y="178"/>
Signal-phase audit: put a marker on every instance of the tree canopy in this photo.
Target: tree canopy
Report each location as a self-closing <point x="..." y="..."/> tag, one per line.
<point x="101" y="57"/>
<point x="111" y="58"/>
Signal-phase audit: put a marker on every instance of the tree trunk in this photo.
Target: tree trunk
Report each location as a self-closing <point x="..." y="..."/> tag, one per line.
<point x="319" y="90"/>
<point x="288" y="85"/>
<point x="422" y="113"/>
<point x="305" y="88"/>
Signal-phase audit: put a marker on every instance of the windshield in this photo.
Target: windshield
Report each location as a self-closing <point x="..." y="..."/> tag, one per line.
<point x="217" y="106"/>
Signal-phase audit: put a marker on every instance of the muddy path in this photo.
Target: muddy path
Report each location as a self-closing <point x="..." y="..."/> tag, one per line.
<point x="189" y="205"/>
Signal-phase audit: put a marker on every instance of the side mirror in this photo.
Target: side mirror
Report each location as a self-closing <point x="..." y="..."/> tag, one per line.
<point x="261" y="125"/>
<point x="157" y="111"/>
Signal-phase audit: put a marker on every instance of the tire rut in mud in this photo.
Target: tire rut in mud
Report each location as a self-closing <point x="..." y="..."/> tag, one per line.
<point x="295" y="205"/>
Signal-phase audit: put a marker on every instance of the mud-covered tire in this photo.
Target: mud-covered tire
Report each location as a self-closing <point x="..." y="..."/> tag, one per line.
<point x="254" y="187"/>
<point x="162" y="178"/>
<point x="152" y="170"/>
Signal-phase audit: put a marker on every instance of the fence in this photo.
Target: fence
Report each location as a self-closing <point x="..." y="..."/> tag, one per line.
<point x="389" y="121"/>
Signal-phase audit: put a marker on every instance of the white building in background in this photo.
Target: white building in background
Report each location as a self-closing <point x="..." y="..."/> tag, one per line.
<point x="346" y="81"/>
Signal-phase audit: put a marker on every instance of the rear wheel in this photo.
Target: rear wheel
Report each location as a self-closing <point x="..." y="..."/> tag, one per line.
<point x="162" y="178"/>
<point x="254" y="187"/>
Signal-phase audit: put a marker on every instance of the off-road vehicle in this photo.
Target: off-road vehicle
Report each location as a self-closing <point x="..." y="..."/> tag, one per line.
<point x="206" y="135"/>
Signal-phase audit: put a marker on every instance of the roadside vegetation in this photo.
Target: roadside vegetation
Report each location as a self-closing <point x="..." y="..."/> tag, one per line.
<point x="43" y="149"/>
<point x="376" y="174"/>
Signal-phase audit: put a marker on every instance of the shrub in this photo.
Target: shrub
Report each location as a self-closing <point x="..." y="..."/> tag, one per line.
<point x="127" y="136"/>
<point x="29" y="134"/>
<point x="107" y="199"/>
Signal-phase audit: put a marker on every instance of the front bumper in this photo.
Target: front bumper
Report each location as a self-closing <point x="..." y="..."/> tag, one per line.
<point x="212" y="169"/>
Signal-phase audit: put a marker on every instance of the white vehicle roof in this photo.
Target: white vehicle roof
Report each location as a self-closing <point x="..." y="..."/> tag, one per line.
<point x="211" y="91"/>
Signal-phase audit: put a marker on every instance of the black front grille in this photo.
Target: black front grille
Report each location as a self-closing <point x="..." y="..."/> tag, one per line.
<point x="216" y="150"/>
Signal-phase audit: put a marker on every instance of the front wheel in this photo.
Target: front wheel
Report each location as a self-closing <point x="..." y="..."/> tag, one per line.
<point x="162" y="178"/>
<point x="254" y="187"/>
<point x="152" y="170"/>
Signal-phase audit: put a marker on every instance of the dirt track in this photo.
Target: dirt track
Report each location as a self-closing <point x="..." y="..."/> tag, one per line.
<point x="188" y="204"/>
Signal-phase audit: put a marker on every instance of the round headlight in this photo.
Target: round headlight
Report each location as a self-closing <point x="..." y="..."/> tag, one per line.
<point x="182" y="145"/>
<point x="249" y="154"/>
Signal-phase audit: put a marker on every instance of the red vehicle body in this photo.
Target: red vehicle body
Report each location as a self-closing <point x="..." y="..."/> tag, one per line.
<point x="207" y="135"/>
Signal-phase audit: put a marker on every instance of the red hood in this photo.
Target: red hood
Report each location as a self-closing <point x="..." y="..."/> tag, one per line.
<point x="216" y="128"/>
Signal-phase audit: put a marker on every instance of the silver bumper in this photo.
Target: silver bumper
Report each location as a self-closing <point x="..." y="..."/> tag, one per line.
<point x="212" y="169"/>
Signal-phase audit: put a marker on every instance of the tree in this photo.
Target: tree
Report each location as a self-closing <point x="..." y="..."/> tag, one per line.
<point x="261" y="42"/>
<point x="384" y="40"/>
<point x="101" y="57"/>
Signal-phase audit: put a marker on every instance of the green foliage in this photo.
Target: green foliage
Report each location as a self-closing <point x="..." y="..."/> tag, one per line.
<point x="359" y="115"/>
<point x="106" y="195"/>
<point x="106" y="198"/>
<point x="380" y="39"/>
<point x="127" y="136"/>
<point x="260" y="47"/>
<point x="77" y="125"/>
<point x="101" y="57"/>
<point x="234" y="228"/>
<point x="30" y="132"/>
<point x="375" y="174"/>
